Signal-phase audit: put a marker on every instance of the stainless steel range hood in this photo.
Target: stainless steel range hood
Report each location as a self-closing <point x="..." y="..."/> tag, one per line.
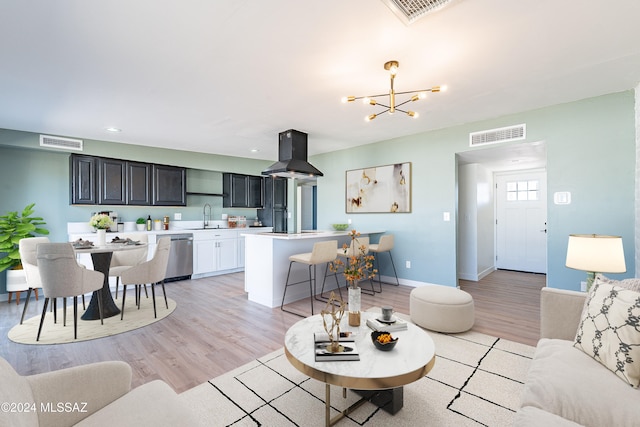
<point x="292" y="158"/>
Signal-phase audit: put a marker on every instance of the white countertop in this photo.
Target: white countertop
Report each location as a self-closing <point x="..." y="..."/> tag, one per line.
<point x="315" y="234"/>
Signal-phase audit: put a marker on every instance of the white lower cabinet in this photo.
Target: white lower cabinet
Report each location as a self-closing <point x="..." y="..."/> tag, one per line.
<point x="214" y="252"/>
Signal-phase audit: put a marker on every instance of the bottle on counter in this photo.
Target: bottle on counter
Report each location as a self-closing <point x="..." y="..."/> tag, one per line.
<point x="149" y="223"/>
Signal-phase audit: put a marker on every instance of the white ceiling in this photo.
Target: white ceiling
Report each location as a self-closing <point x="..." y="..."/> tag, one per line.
<point x="227" y="76"/>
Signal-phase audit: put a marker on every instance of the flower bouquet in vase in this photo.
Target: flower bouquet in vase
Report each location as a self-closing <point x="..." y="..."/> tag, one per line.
<point x="357" y="266"/>
<point x="101" y="223"/>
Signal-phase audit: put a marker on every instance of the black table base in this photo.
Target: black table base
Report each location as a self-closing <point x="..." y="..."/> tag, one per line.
<point x="390" y="400"/>
<point x="101" y="263"/>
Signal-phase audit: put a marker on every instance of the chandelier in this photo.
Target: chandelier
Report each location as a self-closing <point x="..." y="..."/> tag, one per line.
<point x="392" y="67"/>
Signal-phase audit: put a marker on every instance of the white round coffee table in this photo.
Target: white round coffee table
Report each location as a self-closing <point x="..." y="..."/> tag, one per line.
<point x="411" y="359"/>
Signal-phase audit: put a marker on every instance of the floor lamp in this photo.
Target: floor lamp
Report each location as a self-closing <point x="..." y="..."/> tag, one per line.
<point x="595" y="253"/>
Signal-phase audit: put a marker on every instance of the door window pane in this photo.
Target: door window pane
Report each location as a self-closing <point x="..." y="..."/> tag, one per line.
<point x="523" y="190"/>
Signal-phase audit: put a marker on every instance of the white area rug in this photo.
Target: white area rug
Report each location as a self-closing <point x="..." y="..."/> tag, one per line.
<point x="55" y="333"/>
<point x="477" y="380"/>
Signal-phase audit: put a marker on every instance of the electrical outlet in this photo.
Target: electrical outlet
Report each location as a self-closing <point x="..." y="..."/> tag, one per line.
<point x="583" y="286"/>
<point x="349" y="221"/>
<point x="177" y="216"/>
<point x="408" y="264"/>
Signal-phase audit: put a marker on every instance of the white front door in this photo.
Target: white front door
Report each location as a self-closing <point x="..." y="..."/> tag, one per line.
<point x="521" y="216"/>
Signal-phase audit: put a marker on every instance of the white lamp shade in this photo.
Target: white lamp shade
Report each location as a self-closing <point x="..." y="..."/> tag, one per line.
<point x="596" y="253"/>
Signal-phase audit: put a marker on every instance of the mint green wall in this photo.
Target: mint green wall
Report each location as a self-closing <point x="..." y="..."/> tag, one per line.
<point x="590" y="152"/>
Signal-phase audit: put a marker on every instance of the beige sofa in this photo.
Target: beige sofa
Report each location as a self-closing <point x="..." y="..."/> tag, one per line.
<point x="566" y="387"/>
<point x="97" y="394"/>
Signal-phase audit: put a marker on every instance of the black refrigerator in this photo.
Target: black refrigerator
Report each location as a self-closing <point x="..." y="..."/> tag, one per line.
<point x="274" y="213"/>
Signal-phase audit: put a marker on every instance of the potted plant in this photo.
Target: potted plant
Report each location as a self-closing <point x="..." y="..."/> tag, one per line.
<point x="140" y="224"/>
<point x="14" y="227"/>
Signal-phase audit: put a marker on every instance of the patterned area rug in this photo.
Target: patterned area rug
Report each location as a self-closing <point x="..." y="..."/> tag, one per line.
<point x="55" y="333"/>
<point x="477" y="380"/>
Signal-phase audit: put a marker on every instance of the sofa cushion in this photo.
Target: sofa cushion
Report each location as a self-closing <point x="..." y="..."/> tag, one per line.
<point x="151" y="404"/>
<point x="16" y="392"/>
<point x="609" y="330"/>
<point x="534" y="417"/>
<point x="568" y="383"/>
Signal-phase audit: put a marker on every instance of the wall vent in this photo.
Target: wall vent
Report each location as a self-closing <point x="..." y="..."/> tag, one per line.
<point x="410" y="11"/>
<point x="60" y="143"/>
<point x="494" y="136"/>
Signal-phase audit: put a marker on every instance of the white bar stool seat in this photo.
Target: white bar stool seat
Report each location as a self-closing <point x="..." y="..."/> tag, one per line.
<point x="385" y="244"/>
<point x="322" y="253"/>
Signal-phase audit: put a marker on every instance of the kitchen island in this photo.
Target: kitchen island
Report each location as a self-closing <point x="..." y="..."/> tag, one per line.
<point x="267" y="262"/>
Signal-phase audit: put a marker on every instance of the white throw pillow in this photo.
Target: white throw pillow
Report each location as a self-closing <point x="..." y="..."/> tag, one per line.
<point x="609" y="330"/>
<point x="632" y="284"/>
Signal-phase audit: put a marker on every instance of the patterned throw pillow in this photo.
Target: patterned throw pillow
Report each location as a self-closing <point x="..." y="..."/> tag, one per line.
<point x="609" y="330"/>
<point x="632" y="284"/>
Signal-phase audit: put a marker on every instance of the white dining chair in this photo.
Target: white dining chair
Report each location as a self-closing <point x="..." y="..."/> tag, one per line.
<point x="62" y="277"/>
<point x="153" y="272"/>
<point x="121" y="261"/>
<point x="29" y="258"/>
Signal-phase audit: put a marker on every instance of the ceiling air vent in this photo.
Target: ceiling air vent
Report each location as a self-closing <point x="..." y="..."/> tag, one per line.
<point x="60" y="143"/>
<point x="410" y="11"/>
<point x="494" y="136"/>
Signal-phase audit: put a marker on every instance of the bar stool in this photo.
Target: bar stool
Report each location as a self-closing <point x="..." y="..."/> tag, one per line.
<point x="322" y="253"/>
<point x="384" y="245"/>
<point x="354" y="249"/>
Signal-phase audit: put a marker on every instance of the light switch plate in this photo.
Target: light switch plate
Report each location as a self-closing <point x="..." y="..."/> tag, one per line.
<point x="446" y="216"/>
<point x="177" y="216"/>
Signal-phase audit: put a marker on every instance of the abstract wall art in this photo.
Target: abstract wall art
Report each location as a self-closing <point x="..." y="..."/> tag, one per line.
<point x="380" y="189"/>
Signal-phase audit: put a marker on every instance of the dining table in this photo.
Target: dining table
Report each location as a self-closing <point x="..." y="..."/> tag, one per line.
<point x="101" y="258"/>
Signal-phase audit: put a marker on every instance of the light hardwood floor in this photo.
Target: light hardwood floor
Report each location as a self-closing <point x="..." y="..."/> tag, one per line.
<point x="215" y="328"/>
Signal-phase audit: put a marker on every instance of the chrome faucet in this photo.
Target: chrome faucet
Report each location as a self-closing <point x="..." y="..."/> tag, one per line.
<point x="206" y="217"/>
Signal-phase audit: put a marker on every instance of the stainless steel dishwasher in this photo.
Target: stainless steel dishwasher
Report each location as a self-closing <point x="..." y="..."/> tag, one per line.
<point x="180" y="257"/>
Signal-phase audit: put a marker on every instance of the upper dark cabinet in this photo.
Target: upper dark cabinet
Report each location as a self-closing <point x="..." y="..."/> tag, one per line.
<point x="242" y="191"/>
<point x="169" y="186"/>
<point x="82" y="185"/>
<point x="111" y="182"/>
<point x="103" y="181"/>
<point x="255" y="191"/>
<point x="138" y="183"/>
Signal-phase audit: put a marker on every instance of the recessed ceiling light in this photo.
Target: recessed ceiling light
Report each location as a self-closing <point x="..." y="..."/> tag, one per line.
<point x="254" y="150"/>
<point x="112" y="129"/>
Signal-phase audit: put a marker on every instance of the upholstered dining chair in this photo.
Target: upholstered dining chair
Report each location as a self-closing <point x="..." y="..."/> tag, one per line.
<point x="29" y="258"/>
<point x="123" y="260"/>
<point x="62" y="277"/>
<point x="153" y="271"/>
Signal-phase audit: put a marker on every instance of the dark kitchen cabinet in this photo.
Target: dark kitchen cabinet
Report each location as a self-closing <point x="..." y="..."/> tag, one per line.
<point x="139" y="183"/>
<point x="274" y="213"/>
<point x="112" y="188"/>
<point x="255" y="191"/>
<point x="104" y="181"/>
<point x="169" y="186"/>
<point x="242" y="191"/>
<point x="82" y="177"/>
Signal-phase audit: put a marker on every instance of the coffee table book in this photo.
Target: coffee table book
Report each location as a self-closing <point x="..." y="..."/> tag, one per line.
<point x="348" y="352"/>
<point x="397" y="325"/>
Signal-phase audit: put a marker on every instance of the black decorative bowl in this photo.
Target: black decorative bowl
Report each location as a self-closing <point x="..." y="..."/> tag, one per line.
<point x="383" y="346"/>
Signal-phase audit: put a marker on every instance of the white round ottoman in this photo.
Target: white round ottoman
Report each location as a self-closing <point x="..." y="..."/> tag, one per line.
<point x="441" y="308"/>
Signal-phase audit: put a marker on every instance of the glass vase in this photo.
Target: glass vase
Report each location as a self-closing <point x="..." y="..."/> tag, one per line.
<point x="354" y="306"/>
